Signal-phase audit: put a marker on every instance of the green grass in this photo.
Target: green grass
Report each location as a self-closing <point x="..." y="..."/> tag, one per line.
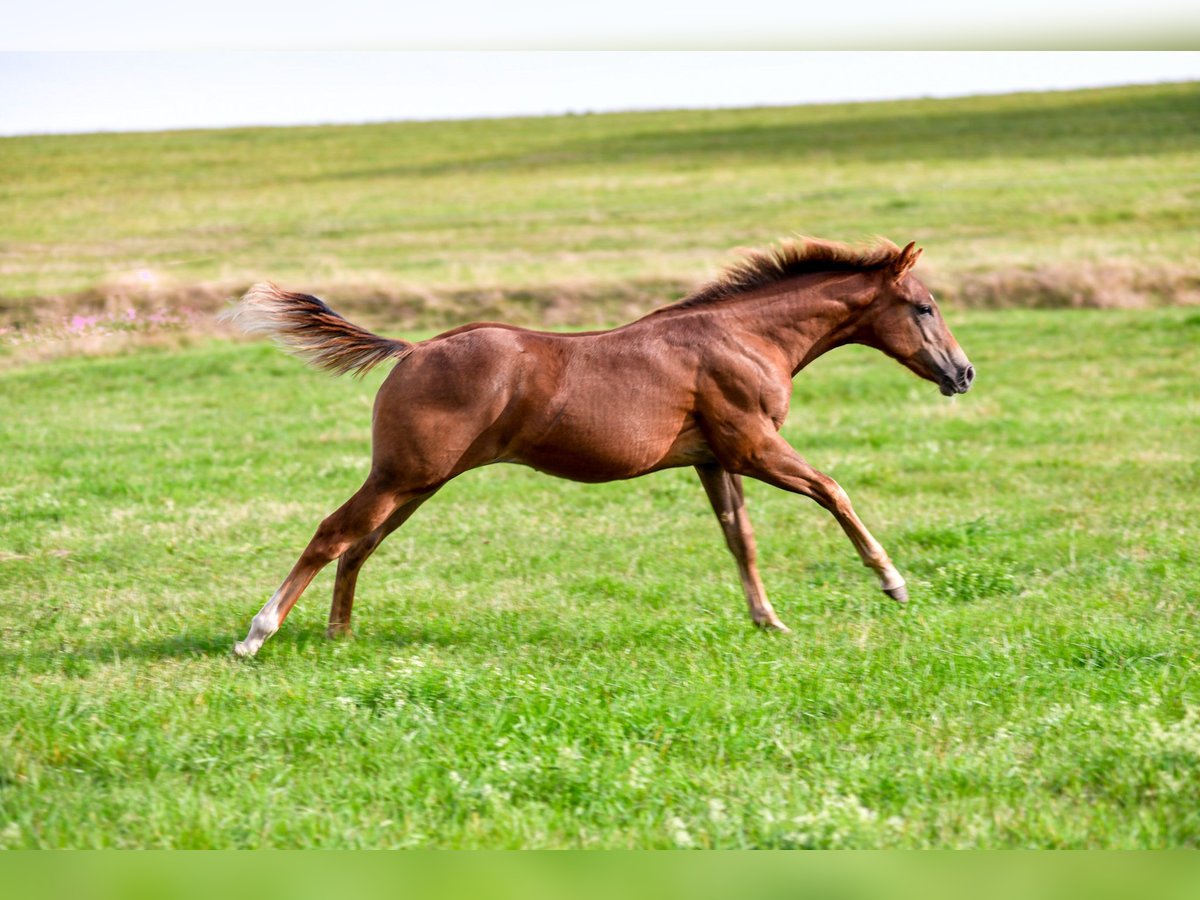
<point x="540" y="663"/>
<point x="1083" y="196"/>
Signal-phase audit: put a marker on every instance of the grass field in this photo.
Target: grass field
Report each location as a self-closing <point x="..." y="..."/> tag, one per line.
<point x="1082" y="197"/>
<point x="540" y="663"/>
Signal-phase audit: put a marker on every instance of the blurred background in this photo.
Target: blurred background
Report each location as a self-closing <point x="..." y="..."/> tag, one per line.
<point x="568" y="188"/>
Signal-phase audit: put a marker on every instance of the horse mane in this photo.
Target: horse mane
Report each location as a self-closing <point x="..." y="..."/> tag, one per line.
<point x="788" y="259"/>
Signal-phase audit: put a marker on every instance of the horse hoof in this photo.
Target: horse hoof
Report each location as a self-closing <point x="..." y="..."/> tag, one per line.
<point x="899" y="594"/>
<point x="242" y="650"/>
<point x="338" y="632"/>
<point x="775" y="625"/>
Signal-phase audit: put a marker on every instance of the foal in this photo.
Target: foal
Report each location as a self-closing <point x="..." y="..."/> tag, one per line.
<point x="704" y="382"/>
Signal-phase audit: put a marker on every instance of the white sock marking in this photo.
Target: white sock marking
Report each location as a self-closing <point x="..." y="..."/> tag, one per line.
<point x="889" y="578"/>
<point x="262" y="626"/>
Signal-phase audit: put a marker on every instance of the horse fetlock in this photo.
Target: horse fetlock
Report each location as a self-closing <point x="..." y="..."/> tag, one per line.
<point x="887" y="574"/>
<point x="892" y="584"/>
<point x="266" y="623"/>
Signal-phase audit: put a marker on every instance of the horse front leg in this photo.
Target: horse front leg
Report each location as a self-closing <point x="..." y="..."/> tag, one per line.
<point x="352" y="560"/>
<point x="369" y="508"/>
<point x="774" y="461"/>
<point x="724" y="491"/>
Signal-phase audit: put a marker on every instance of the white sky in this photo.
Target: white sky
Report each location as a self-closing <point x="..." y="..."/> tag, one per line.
<point x="121" y="91"/>
<point x="608" y="24"/>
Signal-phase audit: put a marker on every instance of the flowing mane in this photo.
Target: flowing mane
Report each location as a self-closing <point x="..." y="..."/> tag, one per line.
<point x="788" y="259"/>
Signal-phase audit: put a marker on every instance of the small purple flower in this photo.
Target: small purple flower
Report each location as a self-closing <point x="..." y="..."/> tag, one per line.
<point x="79" y="323"/>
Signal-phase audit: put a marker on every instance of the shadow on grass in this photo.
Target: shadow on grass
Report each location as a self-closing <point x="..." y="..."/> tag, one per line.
<point x="79" y="661"/>
<point x="507" y="634"/>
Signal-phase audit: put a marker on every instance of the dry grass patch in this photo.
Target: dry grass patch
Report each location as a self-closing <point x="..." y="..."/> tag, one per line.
<point x="151" y="311"/>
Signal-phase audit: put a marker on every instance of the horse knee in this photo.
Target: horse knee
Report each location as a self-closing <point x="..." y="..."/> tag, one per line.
<point x="327" y="544"/>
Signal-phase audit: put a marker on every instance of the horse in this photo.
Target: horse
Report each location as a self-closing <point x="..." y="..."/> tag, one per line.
<point x="703" y="382"/>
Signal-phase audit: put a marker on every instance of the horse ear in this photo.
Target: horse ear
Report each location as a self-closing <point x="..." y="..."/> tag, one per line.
<point x="905" y="260"/>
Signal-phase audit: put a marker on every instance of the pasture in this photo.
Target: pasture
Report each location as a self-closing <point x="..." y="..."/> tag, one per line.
<point x="539" y="663"/>
<point x="1071" y="198"/>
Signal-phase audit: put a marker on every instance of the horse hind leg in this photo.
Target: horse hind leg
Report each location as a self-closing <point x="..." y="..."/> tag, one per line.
<point x="352" y="561"/>
<point x="724" y="491"/>
<point x="369" y="508"/>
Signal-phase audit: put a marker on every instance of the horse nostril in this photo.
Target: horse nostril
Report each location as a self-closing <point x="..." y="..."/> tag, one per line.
<point x="969" y="375"/>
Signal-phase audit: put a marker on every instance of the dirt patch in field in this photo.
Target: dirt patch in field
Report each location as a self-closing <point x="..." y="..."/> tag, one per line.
<point x="115" y="317"/>
<point x="1109" y="285"/>
<point x="140" y="311"/>
<point x="397" y="306"/>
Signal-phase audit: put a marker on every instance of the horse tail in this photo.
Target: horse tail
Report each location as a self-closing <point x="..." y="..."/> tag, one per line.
<point x="306" y="327"/>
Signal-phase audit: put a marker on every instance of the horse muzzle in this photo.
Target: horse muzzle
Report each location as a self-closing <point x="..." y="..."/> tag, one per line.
<point x="959" y="382"/>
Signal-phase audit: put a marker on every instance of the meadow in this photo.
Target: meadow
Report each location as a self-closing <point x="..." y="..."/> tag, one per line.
<point x="1056" y="199"/>
<point x="539" y="663"/>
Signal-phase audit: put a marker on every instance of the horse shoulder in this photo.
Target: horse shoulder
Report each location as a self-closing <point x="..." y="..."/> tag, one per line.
<point x="747" y="374"/>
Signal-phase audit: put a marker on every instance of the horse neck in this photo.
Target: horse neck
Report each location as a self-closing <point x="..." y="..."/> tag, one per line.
<point x="807" y="317"/>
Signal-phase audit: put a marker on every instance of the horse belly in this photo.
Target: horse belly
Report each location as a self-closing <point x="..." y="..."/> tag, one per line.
<point x="607" y="448"/>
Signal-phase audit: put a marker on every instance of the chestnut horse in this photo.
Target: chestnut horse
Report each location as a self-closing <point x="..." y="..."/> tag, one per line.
<point x="704" y="382"/>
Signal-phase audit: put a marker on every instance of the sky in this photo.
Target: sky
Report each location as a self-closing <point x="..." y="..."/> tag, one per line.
<point x="114" y="90"/>
<point x="611" y="24"/>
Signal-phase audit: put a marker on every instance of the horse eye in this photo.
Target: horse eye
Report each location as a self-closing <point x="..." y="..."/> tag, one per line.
<point x="925" y="310"/>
